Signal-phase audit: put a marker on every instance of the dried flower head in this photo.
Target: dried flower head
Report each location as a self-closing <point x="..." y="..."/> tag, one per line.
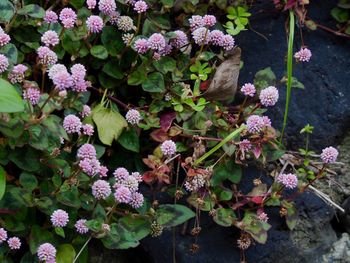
<point x="125" y="23"/>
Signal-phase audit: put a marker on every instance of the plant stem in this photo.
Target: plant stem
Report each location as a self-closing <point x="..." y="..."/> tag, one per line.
<point x="82" y="248"/>
<point x="289" y="70"/>
<point x="219" y="145"/>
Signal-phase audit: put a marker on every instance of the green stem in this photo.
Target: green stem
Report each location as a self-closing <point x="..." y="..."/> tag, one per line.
<point x="219" y="145"/>
<point x="82" y="248"/>
<point x="289" y="70"/>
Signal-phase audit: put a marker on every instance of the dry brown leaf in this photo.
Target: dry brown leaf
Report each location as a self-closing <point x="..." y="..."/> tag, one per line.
<point x="224" y="83"/>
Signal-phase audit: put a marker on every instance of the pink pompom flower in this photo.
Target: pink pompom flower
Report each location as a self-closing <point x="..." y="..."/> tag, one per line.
<point x="329" y="155"/>
<point x="90" y="166"/>
<point x="72" y="124"/>
<point x="50" y="38"/>
<point x="14" y="243"/>
<point x="122" y="194"/>
<point x="81" y="227"/>
<point x="62" y="80"/>
<point x="32" y="94"/>
<point x="201" y="36"/>
<point x="101" y="189"/>
<point x="216" y="37"/>
<point x="59" y="218"/>
<point x="88" y="129"/>
<point x="141" y="46"/>
<point x="3" y="235"/>
<point x="209" y="20"/>
<point x="50" y="17"/>
<point x="248" y="89"/>
<point x="86" y="151"/>
<point x="245" y="145"/>
<point x="86" y="111"/>
<point x="303" y="55"/>
<point x="168" y="148"/>
<point x="107" y="6"/>
<point x="4" y="39"/>
<point x="269" y="96"/>
<point x="46" y="252"/>
<point x="103" y="171"/>
<point x="289" y="181"/>
<point x="4" y="63"/>
<point x="228" y="42"/>
<point x="156" y="42"/>
<point x="68" y="17"/>
<point x="17" y="73"/>
<point x="137" y="200"/>
<point x="94" y="24"/>
<point x="78" y="72"/>
<point x="133" y="117"/>
<point x="91" y="4"/>
<point x="46" y="56"/>
<point x="140" y="6"/>
<point x="120" y="175"/>
<point x="255" y="124"/>
<point x="196" y="22"/>
<point x="179" y="40"/>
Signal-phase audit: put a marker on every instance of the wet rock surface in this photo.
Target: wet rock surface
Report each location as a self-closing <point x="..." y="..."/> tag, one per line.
<point x="325" y="101"/>
<point x="325" y="104"/>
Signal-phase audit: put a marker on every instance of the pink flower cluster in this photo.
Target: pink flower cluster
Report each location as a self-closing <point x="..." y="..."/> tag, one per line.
<point x="140" y="6"/>
<point x="86" y="111"/>
<point x="59" y="218"/>
<point x="46" y="56"/>
<point x="32" y="95"/>
<point x="245" y="145"/>
<point x="4" y="38"/>
<point x="81" y="227"/>
<point x="4" y="63"/>
<point x="107" y="6"/>
<point x="197" y="21"/>
<point x="126" y="187"/>
<point x="269" y="96"/>
<point x="248" y="89"/>
<point x="88" y="161"/>
<point x="72" y="124"/>
<point x="195" y="183"/>
<point x="203" y="36"/>
<point x="47" y="252"/>
<point x="94" y="24"/>
<point x="262" y="215"/>
<point x="68" y="17"/>
<point x="289" y="181"/>
<point x="50" y="17"/>
<point x="91" y="4"/>
<point x="303" y="55"/>
<point x="101" y="189"/>
<point x="168" y="148"/>
<point x="17" y="73"/>
<point x="329" y="155"/>
<point x="50" y="38"/>
<point x="133" y="117"/>
<point x="256" y="123"/>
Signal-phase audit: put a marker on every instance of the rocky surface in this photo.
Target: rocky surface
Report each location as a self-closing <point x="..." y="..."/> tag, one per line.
<point x="325" y="104"/>
<point x="325" y="101"/>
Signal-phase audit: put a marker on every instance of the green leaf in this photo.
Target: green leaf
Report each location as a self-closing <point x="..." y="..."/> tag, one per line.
<point x="264" y="78"/>
<point x="110" y="124"/>
<point x="10" y="100"/>
<point x="37" y="237"/>
<point x="167" y="3"/>
<point x="113" y="70"/>
<point x="297" y="84"/>
<point x="59" y="231"/>
<point x="70" y="197"/>
<point x="26" y="158"/>
<point x="119" y="238"/>
<point x="7" y="10"/>
<point x="257" y="228"/>
<point x="99" y="51"/>
<point x="32" y="10"/>
<point x="165" y="65"/>
<point x="154" y="83"/>
<point x="2" y="182"/>
<point x="65" y="253"/>
<point x="173" y="215"/>
<point x="208" y="202"/>
<point x="70" y="45"/>
<point x="10" y="51"/>
<point x="226" y="171"/>
<point x="28" y="181"/>
<point x="138" y="76"/>
<point x="130" y="140"/>
<point x="340" y="14"/>
<point x="112" y="40"/>
<point x="224" y="217"/>
<point x="292" y="214"/>
<point x="139" y="227"/>
<point x="77" y="3"/>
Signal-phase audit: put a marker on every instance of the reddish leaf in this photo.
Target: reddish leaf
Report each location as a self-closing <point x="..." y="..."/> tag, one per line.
<point x="257" y="199"/>
<point x="166" y="119"/>
<point x="257" y="151"/>
<point x="204" y="85"/>
<point x="290" y="4"/>
<point x="148" y="177"/>
<point x="159" y="135"/>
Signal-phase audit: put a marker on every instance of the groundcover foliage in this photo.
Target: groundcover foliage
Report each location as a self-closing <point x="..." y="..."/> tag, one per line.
<point x="114" y="125"/>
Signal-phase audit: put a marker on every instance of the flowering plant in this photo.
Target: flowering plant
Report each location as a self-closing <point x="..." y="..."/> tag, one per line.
<point x="76" y="166"/>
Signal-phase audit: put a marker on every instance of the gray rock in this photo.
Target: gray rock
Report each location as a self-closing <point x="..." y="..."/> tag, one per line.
<point x="340" y="252"/>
